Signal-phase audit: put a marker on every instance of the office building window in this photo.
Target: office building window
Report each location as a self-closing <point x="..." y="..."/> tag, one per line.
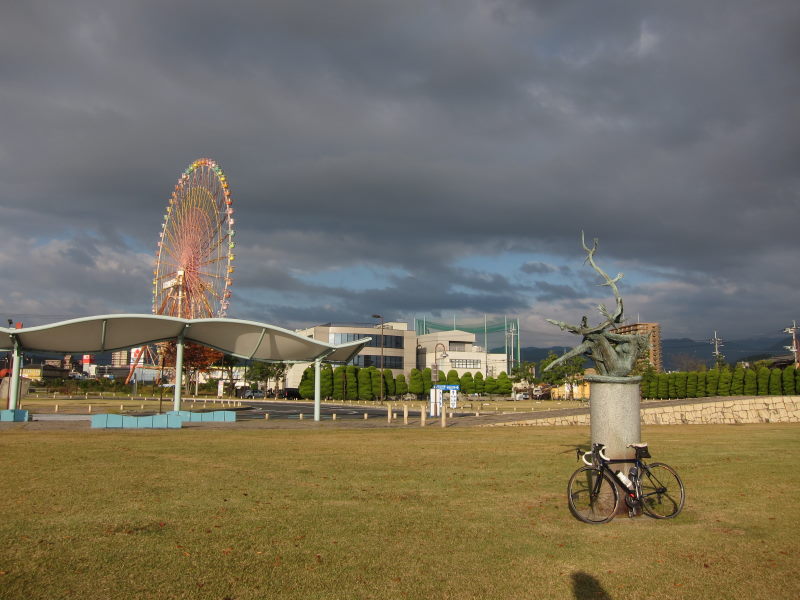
<point x="465" y="363"/>
<point x="374" y="360"/>
<point x="389" y="341"/>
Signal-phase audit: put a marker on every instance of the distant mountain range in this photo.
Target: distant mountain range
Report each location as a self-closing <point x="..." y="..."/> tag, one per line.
<point x="674" y="351"/>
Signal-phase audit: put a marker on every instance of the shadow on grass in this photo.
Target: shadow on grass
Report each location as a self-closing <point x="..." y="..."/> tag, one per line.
<point x="586" y="587"/>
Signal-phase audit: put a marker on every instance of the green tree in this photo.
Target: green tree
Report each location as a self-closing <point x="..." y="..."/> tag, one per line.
<point x="701" y="383"/>
<point x="504" y="384"/>
<point x="763" y="381"/>
<point x="523" y="374"/>
<point x="376" y="380"/>
<point x="750" y="382"/>
<point x="326" y="381"/>
<point x="712" y="382"/>
<point x="416" y="385"/>
<point x="339" y="374"/>
<point x="663" y="385"/>
<point x="389" y="382"/>
<point x="681" y="383"/>
<point x="691" y="385"/>
<point x="401" y="387"/>
<point x="775" y="376"/>
<point x="306" y="387"/>
<point x="258" y="371"/>
<point x="453" y="378"/>
<point x="565" y="372"/>
<point x="365" y="384"/>
<point x="672" y="380"/>
<point x="648" y="375"/>
<point x="787" y="380"/>
<point x="725" y="381"/>
<point x="479" y="382"/>
<point x="490" y="385"/>
<point x="737" y="382"/>
<point x="226" y="363"/>
<point x="426" y="380"/>
<point x="654" y="386"/>
<point x="351" y="382"/>
<point x="467" y="383"/>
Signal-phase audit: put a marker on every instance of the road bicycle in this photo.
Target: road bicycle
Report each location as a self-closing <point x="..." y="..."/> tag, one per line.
<point x="594" y="490"/>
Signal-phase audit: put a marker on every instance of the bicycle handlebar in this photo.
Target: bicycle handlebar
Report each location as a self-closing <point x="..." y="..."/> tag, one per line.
<point x="600" y="452"/>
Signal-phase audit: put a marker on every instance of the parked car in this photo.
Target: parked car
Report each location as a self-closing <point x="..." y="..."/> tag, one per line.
<point x="289" y="393"/>
<point x="523" y="396"/>
<point x="541" y="392"/>
<point x="253" y="394"/>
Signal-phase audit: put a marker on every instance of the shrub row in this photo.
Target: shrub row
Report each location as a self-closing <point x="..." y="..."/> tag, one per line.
<point x="740" y="381"/>
<point x="355" y="383"/>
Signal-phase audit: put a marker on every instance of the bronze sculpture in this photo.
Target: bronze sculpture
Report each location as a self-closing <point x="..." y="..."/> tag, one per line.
<point x="614" y="354"/>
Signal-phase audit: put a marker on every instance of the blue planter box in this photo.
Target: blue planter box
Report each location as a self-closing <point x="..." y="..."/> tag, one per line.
<point x="106" y="421"/>
<point x="16" y="416"/>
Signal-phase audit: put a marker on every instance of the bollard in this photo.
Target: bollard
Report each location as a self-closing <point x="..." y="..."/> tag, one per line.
<point x="366" y="416"/>
<point x="301" y="416"/>
<point x="56" y="408"/>
<point x="444" y="418"/>
<point x="266" y="416"/>
<point x="477" y="414"/>
<point x="389" y="414"/>
<point x="120" y="408"/>
<point x="90" y="408"/>
<point x="141" y="407"/>
<point x="333" y="416"/>
<point x="405" y="414"/>
<point x="422" y="414"/>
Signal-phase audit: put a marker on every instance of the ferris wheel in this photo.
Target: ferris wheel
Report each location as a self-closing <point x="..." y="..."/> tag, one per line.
<point x="194" y="259"/>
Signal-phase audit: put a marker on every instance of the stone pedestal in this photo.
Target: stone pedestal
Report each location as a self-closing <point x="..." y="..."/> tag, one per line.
<point x="615" y="413"/>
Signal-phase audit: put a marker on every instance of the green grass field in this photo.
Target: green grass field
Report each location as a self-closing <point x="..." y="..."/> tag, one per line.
<point x="389" y="513"/>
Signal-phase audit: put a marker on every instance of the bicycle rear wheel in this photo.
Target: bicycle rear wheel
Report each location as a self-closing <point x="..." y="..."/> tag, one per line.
<point x="592" y="496"/>
<point x="662" y="491"/>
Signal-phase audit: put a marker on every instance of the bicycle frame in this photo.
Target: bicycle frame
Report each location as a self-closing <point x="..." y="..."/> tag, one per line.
<point x="603" y="464"/>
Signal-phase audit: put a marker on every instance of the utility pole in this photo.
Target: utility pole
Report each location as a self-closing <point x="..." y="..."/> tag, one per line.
<point x="383" y="383"/>
<point x="717" y="341"/>
<point x="794" y="348"/>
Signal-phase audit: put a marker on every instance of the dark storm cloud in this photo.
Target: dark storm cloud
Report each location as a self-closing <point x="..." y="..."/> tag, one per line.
<point x="548" y="291"/>
<point x="405" y="136"/>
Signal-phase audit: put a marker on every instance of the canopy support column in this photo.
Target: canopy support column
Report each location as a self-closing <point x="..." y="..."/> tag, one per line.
<point x="176" y="403"/>
<point x="317" y="389"/>
<point x="13" y="390"/>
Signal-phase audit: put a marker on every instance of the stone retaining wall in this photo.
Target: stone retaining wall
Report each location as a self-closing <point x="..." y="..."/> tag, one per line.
<point x="759" y="409"/>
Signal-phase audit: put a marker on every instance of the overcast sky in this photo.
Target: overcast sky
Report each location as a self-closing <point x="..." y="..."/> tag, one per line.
<point x="411" y="157"/>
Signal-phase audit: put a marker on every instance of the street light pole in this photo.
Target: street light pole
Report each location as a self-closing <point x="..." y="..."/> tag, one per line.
<point x="443" y="355"/>
<point x="383" y="382"/>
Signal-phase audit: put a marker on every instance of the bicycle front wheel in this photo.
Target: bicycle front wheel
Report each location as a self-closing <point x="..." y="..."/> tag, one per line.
<point x="592" y="496"/>
<point x="662" y="491"/>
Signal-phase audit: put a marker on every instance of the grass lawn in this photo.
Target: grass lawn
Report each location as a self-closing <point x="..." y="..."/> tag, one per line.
<point x="385" y="513"/>
<point x="41" y="404"/>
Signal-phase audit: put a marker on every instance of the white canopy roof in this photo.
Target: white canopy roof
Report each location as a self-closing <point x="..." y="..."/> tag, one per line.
<point x="245" y="339"/>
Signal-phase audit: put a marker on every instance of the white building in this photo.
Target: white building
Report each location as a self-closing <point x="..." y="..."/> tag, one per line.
<point x="455" y="349"/>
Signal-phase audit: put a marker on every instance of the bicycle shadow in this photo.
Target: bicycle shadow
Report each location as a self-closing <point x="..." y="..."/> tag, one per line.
<point x="586" y="587"/>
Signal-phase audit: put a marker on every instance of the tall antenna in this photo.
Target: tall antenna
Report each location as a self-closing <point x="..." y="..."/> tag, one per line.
<point x="794" y="348"/>
<point x="718" y="343"/>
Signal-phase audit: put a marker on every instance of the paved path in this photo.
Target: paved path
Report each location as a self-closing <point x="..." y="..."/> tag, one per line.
<point x="285" y="415"/>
